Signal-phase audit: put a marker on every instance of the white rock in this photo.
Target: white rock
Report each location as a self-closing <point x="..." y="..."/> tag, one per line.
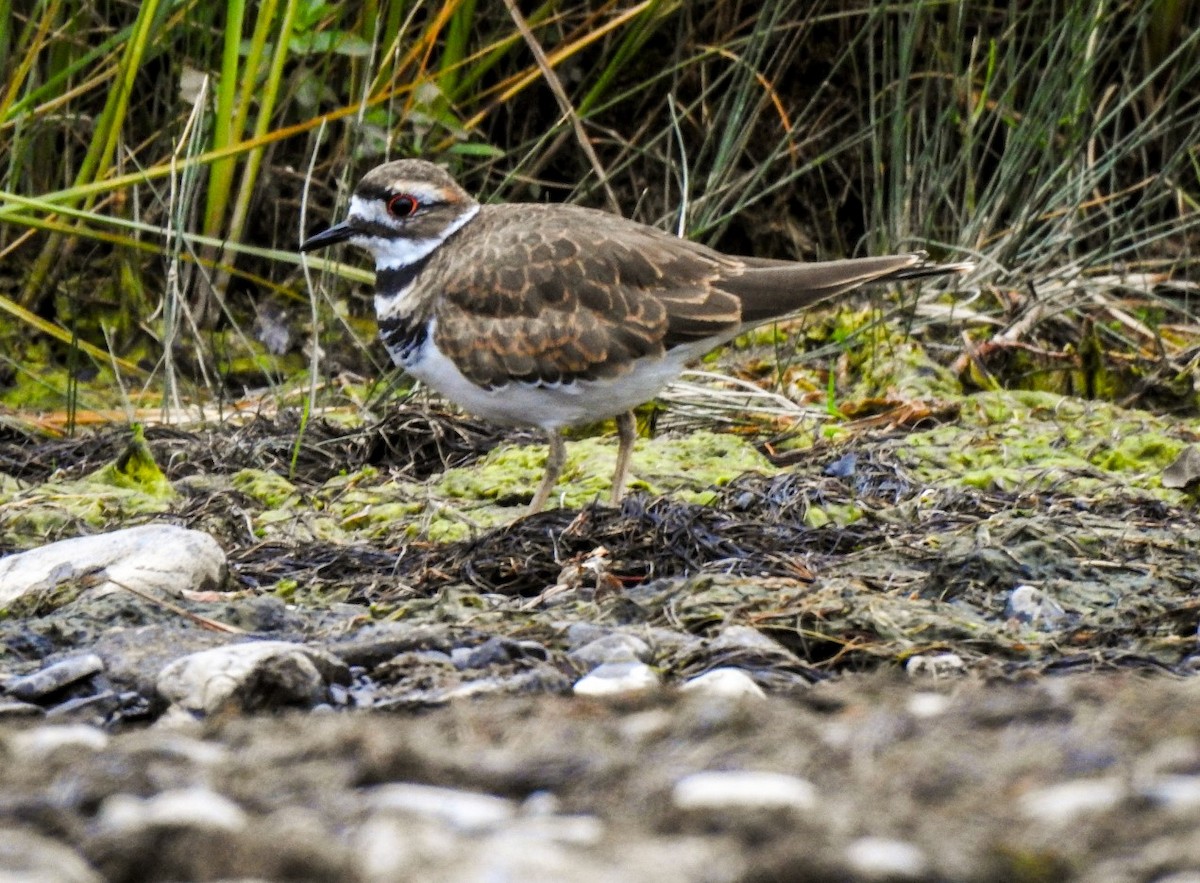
<point x="462" y="810"/>
<point x="155" y="558"/>
<point x="26" y="857"/>
<point x="561" y="829"/>
<point x="250" y="675"/>
<point x="540" y="803"/>
<point x="386" y="848"/>
<point x="176" y="747"/>
<point x="749" y="789"/>
<point x="645" y="726"/>
<point x="1063" y="803"/>
<point x="615" y="647"/>
<point x="1181" y="793"/>
<point x="40" y="742"/>
<point x="744" y="637"/>
<point x="55" y="677"/>
<point x="389" y="848"/>
<point x="183" y="808"/>
<point x="617" y="679"/>
<point x="1033" y="607"/>
<point x="925" y="705"/>
<point x="935" y="665"/>
<point x="886" y="859"/>
<point x="729" y="682"/>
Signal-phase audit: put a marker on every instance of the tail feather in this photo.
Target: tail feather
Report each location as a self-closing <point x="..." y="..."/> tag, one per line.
<point x="770" y="289"/>
<point x="928" y="270"/>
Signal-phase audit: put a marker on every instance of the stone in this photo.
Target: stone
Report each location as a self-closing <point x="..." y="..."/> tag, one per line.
<point x="1032" y="607"/>
<point x="732" y="683"/>
<point x="882" y="858"/>
<point x="53" y="678"/>
<point x="196" y="807"/>
<point x="462" y="810"/>
<point x="160" y="559"/>
<point x="613" y="647"/>
<point x="26" y="857"/>
<point x="935" y="665"/>
<point x="617" y="679"/>
<point x="1063" y="803"/>
<point x="39" y="743"/>
<point x="718" y="789"/>
<point x="250" y="676"/>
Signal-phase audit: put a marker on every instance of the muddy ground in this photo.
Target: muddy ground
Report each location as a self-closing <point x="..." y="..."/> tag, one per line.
<point x="964" y="680"/>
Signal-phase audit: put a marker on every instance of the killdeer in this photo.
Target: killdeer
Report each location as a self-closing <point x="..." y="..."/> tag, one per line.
<point x="555" y="315"/>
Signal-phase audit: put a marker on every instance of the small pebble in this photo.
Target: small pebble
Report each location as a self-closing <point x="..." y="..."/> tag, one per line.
<point x="617" y="679"/>
<point x="541" y="803"/>
<point x="843" y="467"/>
<point x="54" y="677"/>
<point x="925" y="705"/>
<point x="498" y="651"/>
<point x="580" y="633"/>
<point x="1063" y="803"/>
<point x="95" y="708"/>
<point x="935" y="665"/>
<point x="464" y="810"/>
<point x="26" y="857"/>
<point x="1180" y="793"/>
<point x="881" y="858"/>
<point x="615" y="647"/>
<point x="250" y="675"/>
<point x="41" y="742"/>
<point x="568" y="830"/>
<point x="13" y="708"/>
<point x="1031" y="606"/>
<point x="749" y="789"/>
<point x="183" y="808"/>
<point x="732" y="683"/>
<point x="743" y="637"/>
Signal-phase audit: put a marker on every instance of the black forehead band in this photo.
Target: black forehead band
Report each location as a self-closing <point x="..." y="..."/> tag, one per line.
<point x="373" y="191"/>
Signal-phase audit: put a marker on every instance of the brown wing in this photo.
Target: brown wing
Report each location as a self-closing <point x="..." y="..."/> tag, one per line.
<point x="570" y="293"/>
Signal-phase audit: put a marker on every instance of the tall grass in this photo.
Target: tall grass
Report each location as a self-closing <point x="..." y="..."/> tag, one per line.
<point x="1049" y="140"/>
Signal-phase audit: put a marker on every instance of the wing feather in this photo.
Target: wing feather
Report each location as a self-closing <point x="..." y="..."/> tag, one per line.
<point x="561" y="297"/>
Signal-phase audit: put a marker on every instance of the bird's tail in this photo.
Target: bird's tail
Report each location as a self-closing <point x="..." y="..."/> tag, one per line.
<point x="770" y="289"/>
<point x="926" y="269"/>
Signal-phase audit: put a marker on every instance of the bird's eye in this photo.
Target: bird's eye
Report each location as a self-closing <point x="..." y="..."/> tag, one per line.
<point x="403" y="205"/>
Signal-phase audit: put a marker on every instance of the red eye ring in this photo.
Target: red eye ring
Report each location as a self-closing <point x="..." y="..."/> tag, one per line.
<point x="403" y="205"/>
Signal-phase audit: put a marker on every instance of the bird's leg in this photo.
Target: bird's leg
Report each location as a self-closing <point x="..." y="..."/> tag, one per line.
<point x="554" y="466"/>
<point x="627" y="433"/>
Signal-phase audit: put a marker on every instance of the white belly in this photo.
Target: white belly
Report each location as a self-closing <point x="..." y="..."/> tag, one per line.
<point x="549" y="407"/>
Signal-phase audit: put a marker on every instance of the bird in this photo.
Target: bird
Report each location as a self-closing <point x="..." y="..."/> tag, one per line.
<point x="555" y="315"/>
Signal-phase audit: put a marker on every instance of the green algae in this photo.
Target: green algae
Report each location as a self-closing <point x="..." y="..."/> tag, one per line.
<point x="131" y="486"/>
<point x="1033" y="440"/>
<point x="53" y="388"/>
<point x="10" y="486"/>
<point x="496" y="489"/>
<point x="366" y="506"/>
<point x="882" y="359"/>
<point x="379" y="515"/>
<point x="687" y="467"/>
<point x="135" y="469"/>
<point x="268" y="488"/>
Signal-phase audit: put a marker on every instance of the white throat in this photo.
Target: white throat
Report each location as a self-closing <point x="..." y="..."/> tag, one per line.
<point x="401" y="254"/>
